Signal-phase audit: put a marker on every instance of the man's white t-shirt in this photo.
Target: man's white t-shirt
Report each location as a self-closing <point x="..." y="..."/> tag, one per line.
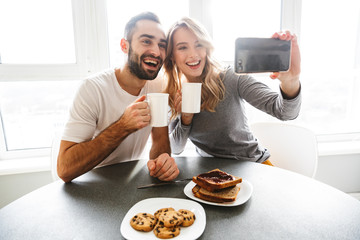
<point x="99" y="102"/>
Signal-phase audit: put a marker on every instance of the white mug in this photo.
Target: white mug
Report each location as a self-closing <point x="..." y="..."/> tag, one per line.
<point x="191" y="97"/>
<point x="158" y="104"/>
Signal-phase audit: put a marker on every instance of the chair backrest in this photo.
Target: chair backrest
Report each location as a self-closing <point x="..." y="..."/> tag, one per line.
<point x="291" y="147"/>
<point x="55" y="147"/>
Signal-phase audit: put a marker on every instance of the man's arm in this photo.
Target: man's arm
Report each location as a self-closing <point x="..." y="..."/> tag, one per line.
<point x="161" y="164"/>
<point x="160" y="142"/>
<point x="76" y="159"/>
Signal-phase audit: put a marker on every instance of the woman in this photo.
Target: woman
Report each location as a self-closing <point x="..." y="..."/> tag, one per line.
<point x="221" y="128"/>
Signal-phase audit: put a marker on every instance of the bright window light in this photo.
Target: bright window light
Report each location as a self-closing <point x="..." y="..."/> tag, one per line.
<point x="33" y="112"/>
<point x="36" y="32"/>
<point x="330" y="48"/>
<point x="242" y="18"/>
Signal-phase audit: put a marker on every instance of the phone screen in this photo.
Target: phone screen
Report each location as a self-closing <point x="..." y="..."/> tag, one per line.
<point x="255" y="55"/>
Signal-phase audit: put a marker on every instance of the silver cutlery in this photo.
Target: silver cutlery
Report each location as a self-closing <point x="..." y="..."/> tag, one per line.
<point x="164" y="183"/>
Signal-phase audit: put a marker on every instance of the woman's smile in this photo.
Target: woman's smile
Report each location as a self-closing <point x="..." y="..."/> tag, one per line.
<point x="194" y="65"/>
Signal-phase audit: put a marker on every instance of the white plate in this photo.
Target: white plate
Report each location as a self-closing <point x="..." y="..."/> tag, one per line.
<point x="244" y="194"/>
<point x="151" y="205"/>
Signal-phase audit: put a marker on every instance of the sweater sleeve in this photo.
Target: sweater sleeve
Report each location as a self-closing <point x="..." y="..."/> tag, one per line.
<point x="179" y="134"/>
<point x="265" y="99"/>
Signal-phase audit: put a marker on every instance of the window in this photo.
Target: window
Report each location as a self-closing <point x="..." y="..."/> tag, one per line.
<point x="330" y="47"/>
<point x="242" y="18"/>
<point x="31" y="35"/>
<point x="40" y="68"/>
<point x="32" y="112"/>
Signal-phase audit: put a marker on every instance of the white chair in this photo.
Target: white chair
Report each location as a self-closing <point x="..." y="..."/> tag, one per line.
<point x="55" y="147"/>
<point x="291" y="147"/>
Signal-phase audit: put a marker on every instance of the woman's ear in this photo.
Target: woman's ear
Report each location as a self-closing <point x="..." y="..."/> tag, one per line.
<point x="124" y="44"/>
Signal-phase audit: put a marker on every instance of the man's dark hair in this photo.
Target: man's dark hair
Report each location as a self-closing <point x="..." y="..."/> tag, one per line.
<point x="132" y="23"/>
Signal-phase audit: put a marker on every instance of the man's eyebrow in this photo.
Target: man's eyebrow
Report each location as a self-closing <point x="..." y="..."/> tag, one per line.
<point x="152" y="37"/>
<point x="147" y="36"/>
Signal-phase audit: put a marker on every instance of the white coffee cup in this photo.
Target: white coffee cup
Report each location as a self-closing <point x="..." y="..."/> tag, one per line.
<point x="191" y="97"/>
<point x="158" y="104"/>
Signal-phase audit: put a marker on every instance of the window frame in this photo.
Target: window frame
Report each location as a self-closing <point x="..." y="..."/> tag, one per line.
<point x="90" y="32"/>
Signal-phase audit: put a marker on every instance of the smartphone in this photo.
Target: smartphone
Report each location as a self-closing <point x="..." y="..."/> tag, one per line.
<point x="256" y="55"/>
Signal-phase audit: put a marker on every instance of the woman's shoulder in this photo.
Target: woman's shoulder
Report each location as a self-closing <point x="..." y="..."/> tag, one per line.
<point x="229" y="76"/>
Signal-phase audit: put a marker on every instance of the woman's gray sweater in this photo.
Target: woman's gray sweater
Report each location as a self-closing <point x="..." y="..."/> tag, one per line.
<point x="225" y="133"/>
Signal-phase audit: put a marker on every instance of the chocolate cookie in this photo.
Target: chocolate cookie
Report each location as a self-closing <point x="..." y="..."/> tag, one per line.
<point x="171" y="218"/>
<point x="158" y="212"/>
<point x="166" y="232"/>
<point x="144" y="222"/>
<point x="189" y="217"/>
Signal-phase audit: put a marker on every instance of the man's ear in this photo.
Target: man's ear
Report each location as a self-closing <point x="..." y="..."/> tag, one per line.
<point x="124" y="44"/>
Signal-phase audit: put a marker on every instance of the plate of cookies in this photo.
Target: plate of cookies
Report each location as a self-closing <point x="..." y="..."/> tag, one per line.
<point x="219" y="188"/>
<point x="164" y="218"/>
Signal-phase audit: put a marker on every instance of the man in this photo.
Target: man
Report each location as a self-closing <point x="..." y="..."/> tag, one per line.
<point x="109" y="119"/>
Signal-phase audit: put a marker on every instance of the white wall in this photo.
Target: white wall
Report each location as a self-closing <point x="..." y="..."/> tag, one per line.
<point x="14" y="186"/>
<point x="341" y="172"/>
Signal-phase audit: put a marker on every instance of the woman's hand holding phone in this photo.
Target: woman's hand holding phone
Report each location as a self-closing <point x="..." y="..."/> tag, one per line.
<point x="289" y="81"/>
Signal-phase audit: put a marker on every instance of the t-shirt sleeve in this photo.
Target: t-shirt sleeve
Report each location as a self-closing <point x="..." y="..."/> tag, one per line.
<point x="83" y="115"/>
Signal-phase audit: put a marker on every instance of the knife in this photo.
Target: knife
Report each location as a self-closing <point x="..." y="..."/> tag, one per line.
<point x="163" y="183"/>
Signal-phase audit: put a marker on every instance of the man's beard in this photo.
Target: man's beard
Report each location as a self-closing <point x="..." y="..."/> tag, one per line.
<point x="134" y="63"/>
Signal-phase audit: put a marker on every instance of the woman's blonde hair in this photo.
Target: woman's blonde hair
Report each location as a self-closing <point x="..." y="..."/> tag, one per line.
<point x="213" y="89"/>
